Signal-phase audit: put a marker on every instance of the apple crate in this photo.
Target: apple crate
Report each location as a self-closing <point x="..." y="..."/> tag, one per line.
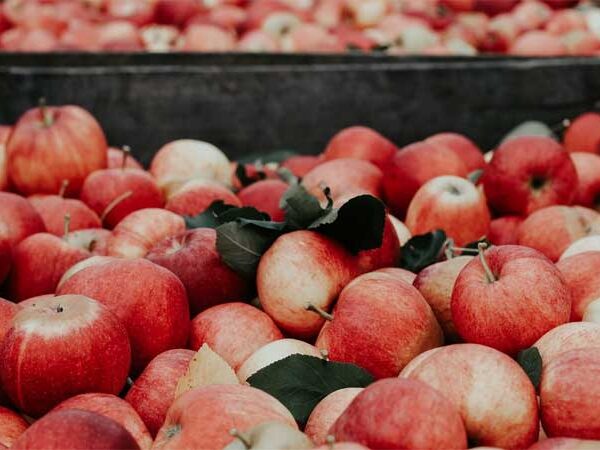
<point x="250" y="104"/>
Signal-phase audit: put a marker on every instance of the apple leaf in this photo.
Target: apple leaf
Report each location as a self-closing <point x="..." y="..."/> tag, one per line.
<point x="245" y="180"/>
<point x="219" y="213"/>
<point x="422" y="251"/>
<point x="530" y="128"/>
<point x="300" y="382"/>
<point x="531" y="362"/>
<point x="475" y="176"/>
<point x="301" y="208"/>
<point x="275" y="156"/>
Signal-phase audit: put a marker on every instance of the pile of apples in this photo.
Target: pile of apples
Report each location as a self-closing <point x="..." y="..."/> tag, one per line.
<point x="131" y="321"/>
<point x="430" y="27"/>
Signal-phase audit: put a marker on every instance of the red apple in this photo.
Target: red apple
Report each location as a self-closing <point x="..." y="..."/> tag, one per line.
<point x="12" y="426"/>
<point x="386" y="255"/>
<point x="567" y="337"/>
<point x="360" y="143"/>
<point x="565" y="21"/>
<point x="203" y="417"/>
<point x="569" y="395"/>
<point x="206" y="38"/>
<point x="7" y="312"/>
<point x="564" y="444"/>
<point x="327" y="412"/>
<point x="159" y="38"/>
<point x="588" y="172"/>
<point x="53" y="209"/>
<point x="136" y="234"/>
<point x="118" y="158"/>
<point x="580" y="273"/>
<point x="583" y="135"/>
<point x="80" y="35"/>
<point x="495" y="397"/>
<point x="216" y="283"/>
<point x="401" y="413"/>
<point x="195" y="196"/>
<point x="93" y="240"/>
<point x="583" y="245"/>
<point x="265" y="196"/>
<point x="301" y="165"/>
<point x="91" y="261"/>
<point x="492" y="7"/>
<point x="114" y="408"/>
<point x="59" y="347"/>
<point x="412" y="167"/>
<point x="399" y="274"/>
<point x="533" y="172"/>
<point x="138" y="12"/>
<point x="154" y="390"/>
<point x="462" y="146"/>
<point x="258" y="41"/>
<point x="452" y="204"/>
<point x="74" y="428"/>
<point x="21" y="39"/>
<point x="502" y="32"/>
<point x="488" y="304"/>
<point x="532" y="15"/>
<point x="175" y="12"/>
<point x="5" y="258"/>
<point x="18" y="218"/>
<point x="4" y="135"/>
<point x="66" y="139"/>
<point x="581" y="43"/>
<point x="505" y="230"/>
<point x="406" y="325"/>
<point x="254" y="330"/>
<point x="538" y="43"/>
<point x="120" y="36"/>
<point x="310" y="38"/>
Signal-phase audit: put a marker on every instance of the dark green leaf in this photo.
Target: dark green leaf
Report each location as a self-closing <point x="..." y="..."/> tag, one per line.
<point x="266" y="224"/>
<point x="530" y="128"/>
<point x="422" y="251"/>
<point x="301" y="208"/>
<point x="210" y="217"/>
<point x="244" y="212"/>
<point x="475" y="245"/>
<point x="475" y="176"/>
<point x="531" y="362"/>
<point x="245" y="180"/>
<point x="286" y="175"/>
<point x="275" y="156"/>
<point x="301" y="381"/>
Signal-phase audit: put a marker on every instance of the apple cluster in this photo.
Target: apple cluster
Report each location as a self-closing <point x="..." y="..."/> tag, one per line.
<point x="398" y="27"/>
<point x="131" y="322"/>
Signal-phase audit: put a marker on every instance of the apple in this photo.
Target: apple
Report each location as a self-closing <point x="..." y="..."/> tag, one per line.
<point x="4" y="135"/>
<point x="567" y="337"/>
<point x="115" y="193"/>
<point x="53" y="209"/>
<point x="114" y="408"/>
<point x="7" y="312"/>
<point x="88" y="262"/>
<point x="435" y="283"/>
<point x="149" y="300"/>
<point x="254" y="329"/>
<point x="327" y="412"/>
<point x="175" y="12"/>
<point x="583" y="245"/>
<point x="568" y="394"/>
<point x="592" y="312"/>
<point x="496" y="400"/>
<point x="462" y="146"/>
<point x="119" y="36"/>
<point x="274" y="435"/>
<point x="21" y="39"/>
<point x="329" y="13"/>
<point x="136" y="234"/>
<point x="452" y="204"/>
<point x="93" y="240"/>
<point x="367" y="13"/>
<point x="565" y="444"/>
<point x="538" y="43"/>
<point x="301" y="165"/>
<point x="412" y="167"/>
<point x="154" y="390"/>
<point x="581" y="42"/>
<point x="138" y="12"/>
<point x="258" y="41"/>
<point x="75" y="428"/>
<point x="533" y="172"/>
<point x="216" y="283"/>
<point x="272" y="352"/>
<point x="195" y="196"/>
<point x="588" y="172"/>
<point x="310" y="38"/>
<point x="66" y="139"/>
<point x="502" y="32"/>
<point x="159" y="38"/>
<point x="206" y="38"/>
<point x="183" y="160"/>
<point x="228" y="17"/>
<point x="505" y="230"/>
<point x="580" y="273"/>
<point x="18" y="218"/>
<point x="583" y="134"/>
<point x="59" y="347"/>
<point x="341" y="446"/>
<point x="12" y="426"/>
<point x="564" y="21"/>
<point x="399" y="274"/>
<point x="301" y="270"/>
<point x="487" y="299"/>
<point x="401" y="413"/>
<point x="532" y="15"/>
<point x="386" y="255"/>
<point x="203" y="417"/>
<point x="265" y="195"/>
<point x="406" y="325"/>
<point x="80" y="35"/>
<point x="360" y="143"/>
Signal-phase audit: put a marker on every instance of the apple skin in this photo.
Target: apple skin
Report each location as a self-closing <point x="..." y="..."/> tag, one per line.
<point x="507" y="323"/>
<point x="18" y="218"/>
<point x="115" y="160"/>
<point x="216" y="283"/>
<point x="5" y="258"/>
<point x="137" y="233"/>
<point x="272" y="352"/>
<point x="580" y="273"/>
<point x="103" y="187"/>
<point x="265" y="195"/>
<point x="254" y="329"/>
<point x="416" y="416"/>
<point x="150" y="301"/>
<point x="400" y="274"/>
<point x="38" y="263"/>
<point x="462" y="146"/>
<point x="502" y="32"/>
<point x="72" y="143"/>
<point x="360" y="143"/>
<point x="299" y="268"/>
<point x="93" y="240"/>
<point x="534" y="172"/>
<point x="538" y="43"/>
<point x="7" y="312"/>
<point x="452" y="204"/>
<point x="206" y="38"/>
<point x="564" y="444"/>
<point x="154" y="390"/>
<point x="4" y="135"/>
<point x="12" y="426"/>
<point x="386" y="255"/>
<point x="588" y="172"/>
<point x="195" y="196"/>
<point x="565" y="21"/>
<point x="327" y="412"/>
<point x="435" y="283"/>
<point x="505" y="230"/>
<point x="583" y="135"/>
<point x="567" y="337"/>
<point x="413" y="166"/>
<point x="53" y="209"/>
<point x="406" y="325"/>
<point x="114" y="408"/>
<point x="203" y="417"/>
<point x="583" y="245"/>
<point x="59" y="347"/>
<point x="302" y="164"/>
<point x="175" y="12"/>
<point x="75" y="428"/>
<point x="532" y="15"/>
<point x="495" y="397"/>
<point x="569" y="395"/>
<point x="341" y="446"/>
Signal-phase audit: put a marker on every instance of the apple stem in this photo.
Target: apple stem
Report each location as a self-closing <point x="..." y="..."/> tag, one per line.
<point x="330" y="441"/>
<point x="112" y="205"/>
<point x="320" y="311"/>
<point x="63" y="188"/>
<point x="67" y="225"/>
<point x="238" y="435"/>
<point x="126" y="149"/>
<point x="46" y="114"/>
<point x="486" y="268"/>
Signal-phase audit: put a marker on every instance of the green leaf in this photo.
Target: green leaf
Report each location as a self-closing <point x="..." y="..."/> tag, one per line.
<point x="301" y="208"/>
<point x="275" y="156"/>
<point x="475" y="176"/>
<point x="301" y="381"/>
<point x="287" y="176"/>
<point x="245" y="180"/>
<point x="208" y="218"/>
<point x="244" y="212"/>
<point x="531" y="362"/>
<point x="422" y="251"/>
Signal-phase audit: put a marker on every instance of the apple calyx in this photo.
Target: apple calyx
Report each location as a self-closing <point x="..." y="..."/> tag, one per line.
<point x="482" y="246"/>
<point x="67" y="226"/>
<point x="47" y="117"/>
<point x="330" y="441"/>
<point x="112" y="205"/>
<point x="126" y="149"/>
<point x="241" y="437"/>
<point x="59" y="309"/>
<point x="320" y="311"/>
<point x="63" y="188"/>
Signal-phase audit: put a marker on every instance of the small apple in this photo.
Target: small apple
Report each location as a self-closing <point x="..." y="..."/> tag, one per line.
<point x="327" y="412"/>
<point x="265" y="195"/>
<point x="18" y="218"/>
<point x="580" y="273"/>
<point x="195" y="196"/>
<point x="583" y="245"/>
<point x="399" y="274"/>
<point x="12" y="425"/>
<point x="592" y="312"/>
<point x="538" y="43"/>
<point x="206" y="38"/>
<point x="301" y="165"/>
<point x="583" y="134"/>
<point x="567" y="337"/>
<point x="588" y="172"/>
<point x="564" y="21"/>
<point x="258" y="41"/>
<point x="505" y="230"/>
<point x="462" y="146"/>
